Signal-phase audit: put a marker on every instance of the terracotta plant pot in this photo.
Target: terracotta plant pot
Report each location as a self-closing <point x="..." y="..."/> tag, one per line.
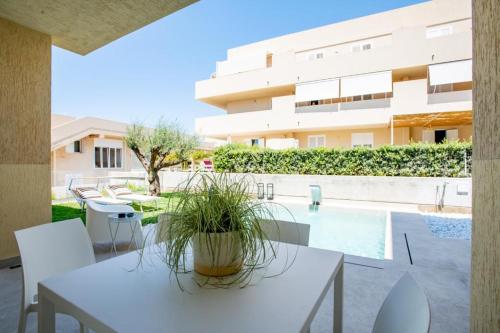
<point x="217" y="254"/>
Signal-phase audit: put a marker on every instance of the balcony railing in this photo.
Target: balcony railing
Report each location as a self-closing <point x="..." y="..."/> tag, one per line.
<point x="348" y="106"/>
<point x="450" y="97"/>
<point x="286" y="71"/>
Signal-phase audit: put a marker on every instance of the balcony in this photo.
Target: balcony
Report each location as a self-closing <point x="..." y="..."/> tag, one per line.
<point x="410" y="97"/>
<point x="450" y="97"/>
<point x="356" y="105"/>
<point x="286" y="71"/>
<point x="283" y="117"/>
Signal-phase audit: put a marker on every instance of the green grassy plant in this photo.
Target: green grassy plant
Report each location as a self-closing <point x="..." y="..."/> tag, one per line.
<point x="211" y="203"/>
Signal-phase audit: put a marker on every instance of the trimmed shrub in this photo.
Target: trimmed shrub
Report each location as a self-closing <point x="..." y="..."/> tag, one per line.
<point x="413" y="160"/>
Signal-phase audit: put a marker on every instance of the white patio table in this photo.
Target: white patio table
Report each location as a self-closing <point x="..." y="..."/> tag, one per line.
<point x="117" y="296"/>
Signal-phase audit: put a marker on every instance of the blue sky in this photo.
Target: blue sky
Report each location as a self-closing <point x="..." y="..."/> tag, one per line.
<point x="151" y="72"/>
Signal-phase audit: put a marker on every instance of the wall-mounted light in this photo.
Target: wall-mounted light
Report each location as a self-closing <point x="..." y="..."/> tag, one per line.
<point x="260" y="191"/>
<point x="270" y="191"/>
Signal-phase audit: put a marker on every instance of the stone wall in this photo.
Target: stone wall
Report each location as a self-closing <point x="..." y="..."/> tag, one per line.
<point x="485" y="285"/>
<point x="25" y="76"/>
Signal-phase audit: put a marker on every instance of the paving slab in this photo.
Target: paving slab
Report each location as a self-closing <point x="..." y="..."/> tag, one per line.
<point x="440" y="266"/>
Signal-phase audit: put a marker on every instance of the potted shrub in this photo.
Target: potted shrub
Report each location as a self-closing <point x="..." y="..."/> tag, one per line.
<point x="218" y="217"/>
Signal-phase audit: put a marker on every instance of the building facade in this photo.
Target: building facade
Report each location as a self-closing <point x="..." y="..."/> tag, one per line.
<point x="88" y="147"/>
<point x="395" y="77"/>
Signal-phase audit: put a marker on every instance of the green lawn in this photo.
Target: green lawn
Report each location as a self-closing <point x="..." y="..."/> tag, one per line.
<point x="72" y="210"/>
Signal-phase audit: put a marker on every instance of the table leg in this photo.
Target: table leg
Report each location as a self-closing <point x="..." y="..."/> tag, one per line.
<point x="113" y="238"/>
<point x="338" y="296"/>
<point x="46" y="315"/>
<point x="132" y="231"/>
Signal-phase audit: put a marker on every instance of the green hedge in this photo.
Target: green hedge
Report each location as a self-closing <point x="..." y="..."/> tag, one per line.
<point x="415" y="160"/>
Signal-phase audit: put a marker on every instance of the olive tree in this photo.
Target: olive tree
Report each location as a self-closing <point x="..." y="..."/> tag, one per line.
<point x="163" y="146"/>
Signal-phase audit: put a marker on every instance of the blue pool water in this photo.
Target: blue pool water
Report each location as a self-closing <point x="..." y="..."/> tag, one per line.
<point x="353" y="231"/>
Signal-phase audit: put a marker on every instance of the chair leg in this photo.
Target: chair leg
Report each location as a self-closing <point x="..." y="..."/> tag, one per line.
<point x="21" y="328"/>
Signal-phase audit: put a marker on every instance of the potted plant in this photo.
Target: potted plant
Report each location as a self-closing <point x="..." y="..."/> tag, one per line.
<point x="217" y="216"/>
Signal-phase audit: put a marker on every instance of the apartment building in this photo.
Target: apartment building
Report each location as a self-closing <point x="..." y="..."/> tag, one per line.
<point x="391" y="78"/>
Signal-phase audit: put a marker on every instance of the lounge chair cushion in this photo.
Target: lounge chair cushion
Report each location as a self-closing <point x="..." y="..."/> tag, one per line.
<point x="120" y="189"/>
<point x="88" y="192"/>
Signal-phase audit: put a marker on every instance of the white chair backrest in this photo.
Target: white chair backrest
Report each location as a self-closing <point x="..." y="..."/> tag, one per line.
<point x="98" y="226"/>
<point x="51" y="249"/>
<point x="405" y="309"/>
<point x="287" y="232"/>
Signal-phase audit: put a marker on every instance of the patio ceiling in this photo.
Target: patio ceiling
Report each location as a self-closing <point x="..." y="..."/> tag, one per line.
<point x="433" y="119"/>
<point x="82" y="26"/>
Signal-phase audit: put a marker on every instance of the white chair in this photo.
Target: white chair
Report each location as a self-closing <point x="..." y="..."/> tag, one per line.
<point x="405" y="309"/>
<point x="47" y="250"/>
<point x="98" y="225"/>
<point x="287" y="232"/>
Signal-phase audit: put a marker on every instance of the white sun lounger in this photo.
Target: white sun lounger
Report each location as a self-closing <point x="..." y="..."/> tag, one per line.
<point x="84" y="194"/>
<point x="122" y="192"/>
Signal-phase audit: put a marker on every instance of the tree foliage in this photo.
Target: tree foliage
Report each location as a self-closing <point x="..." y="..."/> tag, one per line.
<point x="163" y="146"/>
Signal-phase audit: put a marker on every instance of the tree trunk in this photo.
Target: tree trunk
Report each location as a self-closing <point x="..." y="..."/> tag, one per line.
<point x="154" y="183"/>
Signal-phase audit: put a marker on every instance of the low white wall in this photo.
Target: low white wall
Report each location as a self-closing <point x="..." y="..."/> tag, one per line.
<point x="408" y="190"/>
<point x="137" y="178"/>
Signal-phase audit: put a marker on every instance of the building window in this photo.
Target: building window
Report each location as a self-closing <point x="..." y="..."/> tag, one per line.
<point x="118" y="157"/>
<point x="449" y="87"/>
<point x="439" y="136"/>
<point x="112" y="157"/>
<point x="77" y="146"/>
<point x="106" y="157"/>
<point x="315" y="55"/>
<point x="97" y="157"/>
<point x="74" y="147"/>
<point x="439" y="31"/>
<point x="365" y="46"/>
<point x="369" y="97"/>
<point x="362" y="140"/>
<point x="315" y="141"/>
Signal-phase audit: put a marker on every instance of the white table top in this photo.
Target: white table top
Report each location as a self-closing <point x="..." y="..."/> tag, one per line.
<point x="112" y="296"/>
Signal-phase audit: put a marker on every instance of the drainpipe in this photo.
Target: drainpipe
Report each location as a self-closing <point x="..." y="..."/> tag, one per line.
<point x="392" y="129"/>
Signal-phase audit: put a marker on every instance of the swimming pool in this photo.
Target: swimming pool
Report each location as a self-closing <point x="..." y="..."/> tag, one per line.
<point x="360" y="232"/>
